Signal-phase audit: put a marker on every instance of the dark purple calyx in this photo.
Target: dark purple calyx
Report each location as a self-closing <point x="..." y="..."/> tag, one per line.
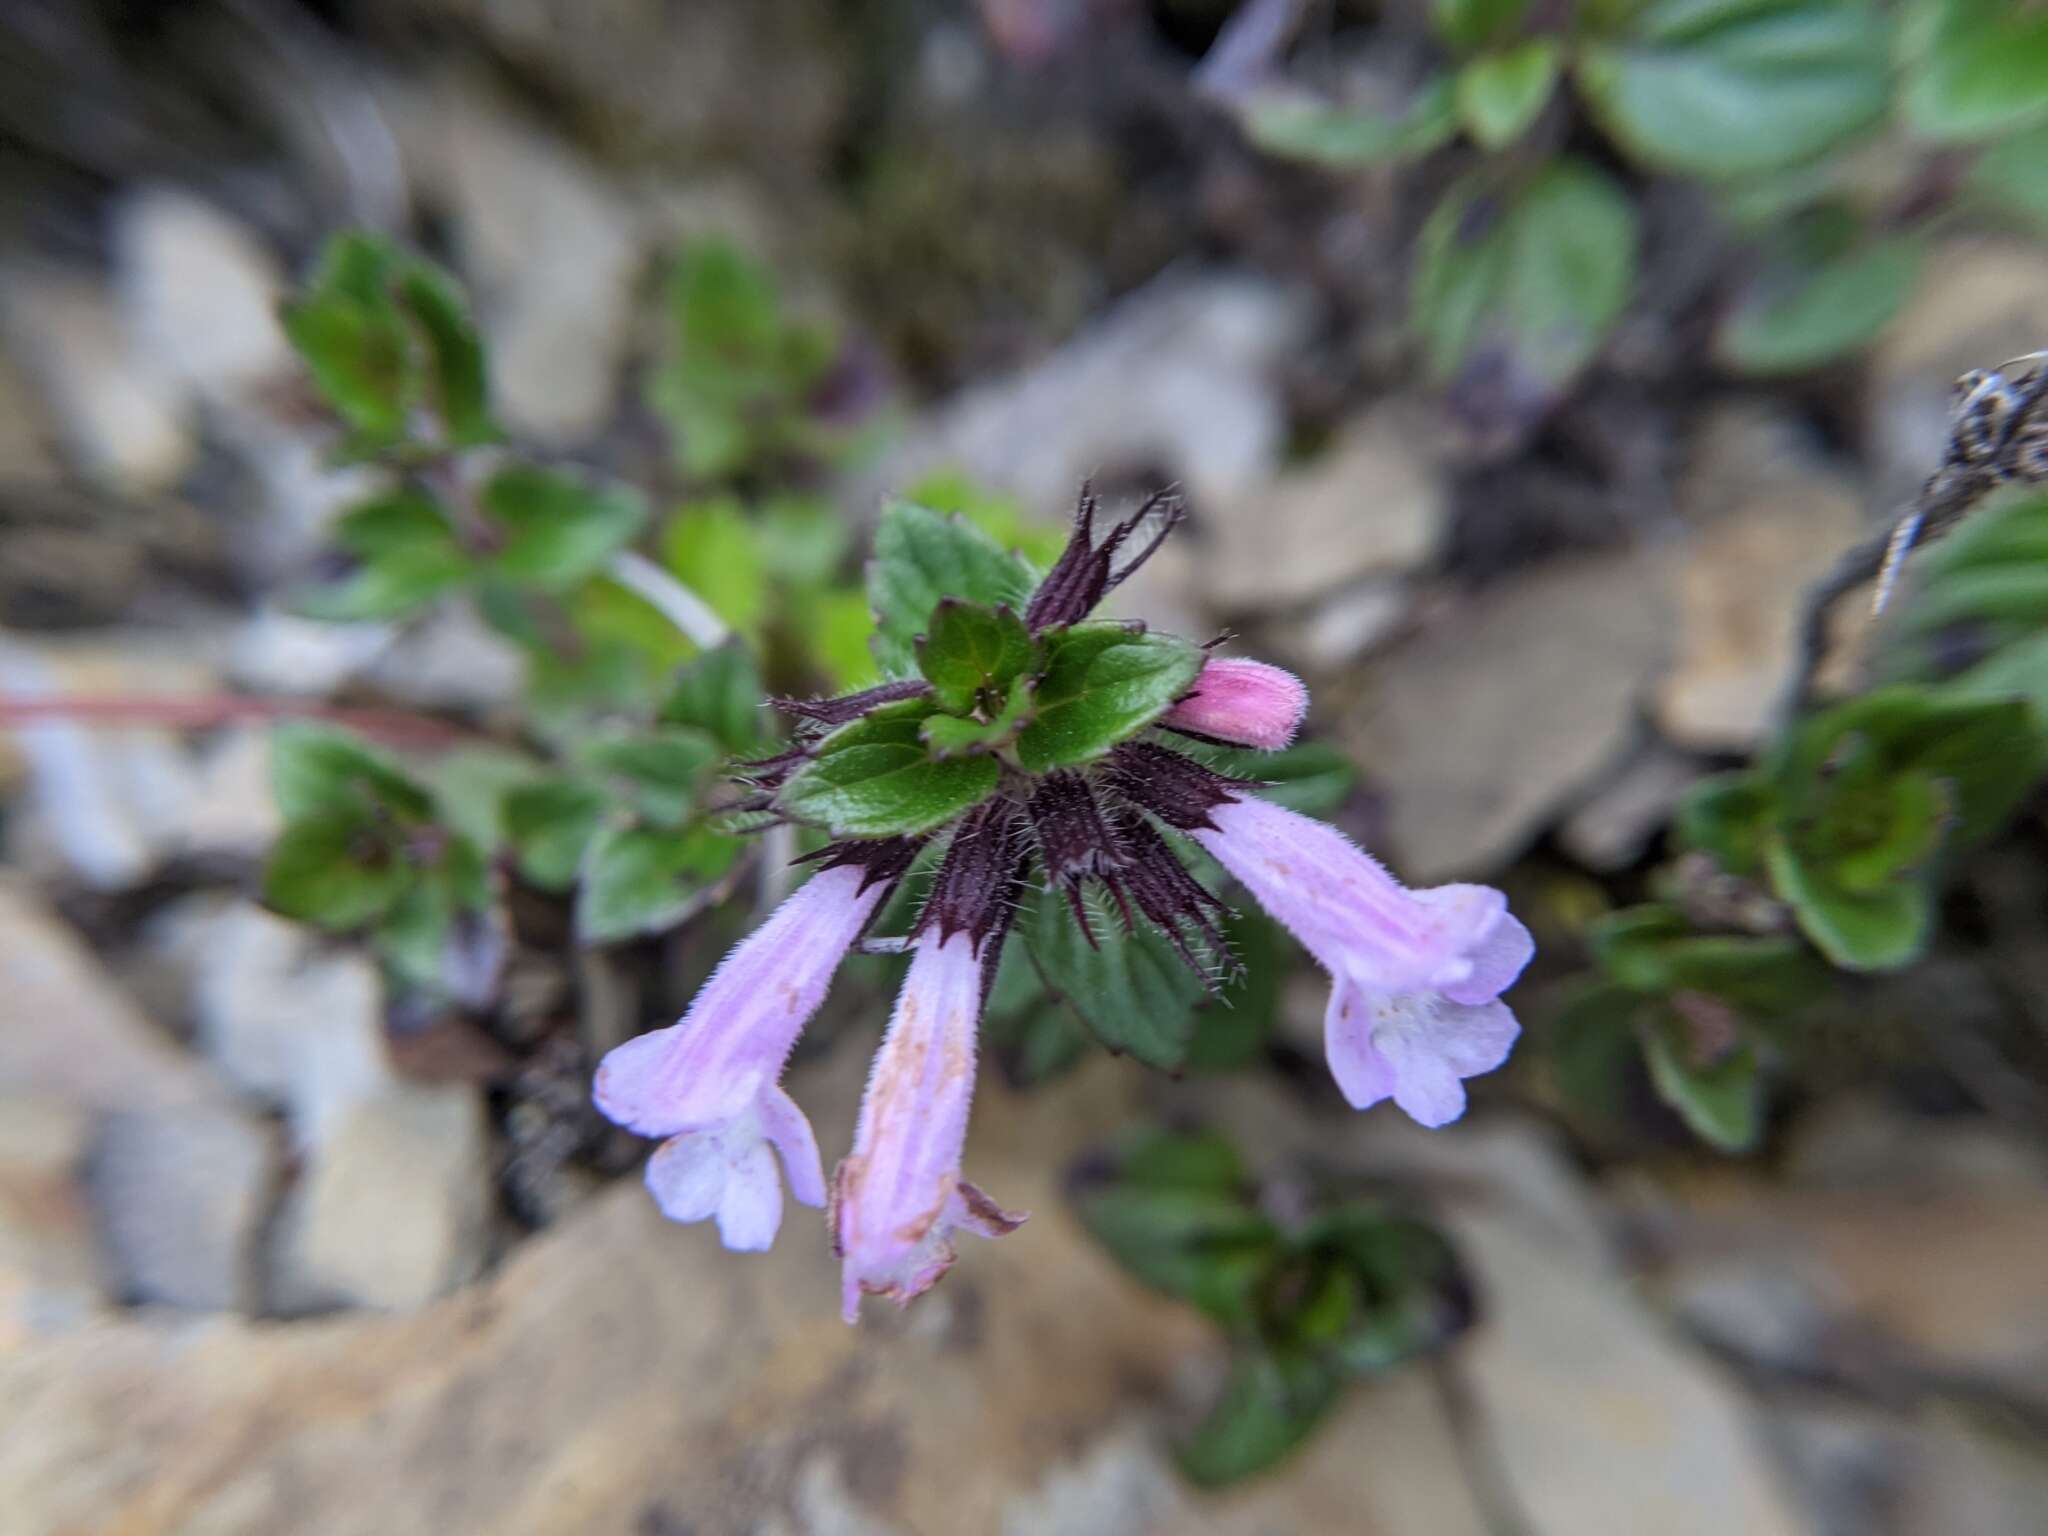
<point x="1074" y="838"/>
<point x="851" y="706"/>
<point x="881" y="860"/>
<point x="1176" y="789"/>
<point x="975" y="891"/>
<point x="1173" y="901"/>
<point x="1086" y="570"/>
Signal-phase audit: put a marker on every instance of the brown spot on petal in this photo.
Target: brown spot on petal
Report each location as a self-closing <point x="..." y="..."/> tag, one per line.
<point x="843" y="1178"/>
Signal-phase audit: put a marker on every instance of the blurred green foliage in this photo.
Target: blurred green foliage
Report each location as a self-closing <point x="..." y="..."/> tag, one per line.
<point x="616" y="794"/>
<point x="1848" y="822"/>
<point x="1341" y="1289"/>
<point x="1529" y="259"/>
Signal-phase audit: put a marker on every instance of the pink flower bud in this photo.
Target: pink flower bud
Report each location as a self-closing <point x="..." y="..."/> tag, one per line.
<point x="898" y="1197"/>
<point x="1248" y="703"/>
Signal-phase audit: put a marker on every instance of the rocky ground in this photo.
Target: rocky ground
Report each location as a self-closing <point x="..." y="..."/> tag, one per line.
<point x="277" y="1254"/>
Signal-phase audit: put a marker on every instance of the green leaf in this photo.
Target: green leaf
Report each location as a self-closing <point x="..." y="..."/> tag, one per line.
<point x="1974" y="68"/>
<point x="1299" y="128"/>
<point x="720" y="692"/>
<point x="335" y="870"/>
<point x="1515" y="291"/>
<point x="1232" y="1029"/>
<point x="1987" y="752"/>
<point x="1903" y="830"/>
<point x="458" y="386"/>
<point x="554" y="530"/>
<point x="921" y="557"/>
<point x="2011" y="176"/>
<point x="1652" y="950"/>
<point x="469" y="786"/>
<point x="399" y="554"/>
<point x="1470" y="24"/>
<point x="971" y="654"/>
<point x="352" y="338"/>
<point x="1633" y="945"/>
<point x="321" y="770"/>
<point x="951" y="736"/>
<point x="2018" y="670"/>
<point x="646" y="879"/>
<point x="839" y="632"/>
<point x="712" y="548"/>
<point x="1002" y="518"/>
<point x="1269" y="1406"/>
<point x="1392" y="1288"/>
<point x="1878" y="930"/>
<point x="874" y="778"/>
<point x="550" y="825"/>
<point x="1135" y="994"/>
<point x="1720" y="1102"/>
<point x="1500" y="94"/>
<point x="1175" y="1212"/>
<point x="1103" y="683"/>
<point x="1807" y="310"/>
<point x="1734" y="87"/>
<point x="802" y="540"/>
<point x="1727" y="816"/>
<point x="1590" y="1048"/>
<point x="660" y="774"/>
<point x="1203" y="1248"/>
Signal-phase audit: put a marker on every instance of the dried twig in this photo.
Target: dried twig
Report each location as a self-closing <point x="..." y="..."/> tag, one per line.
<point x="1998" y="433"/>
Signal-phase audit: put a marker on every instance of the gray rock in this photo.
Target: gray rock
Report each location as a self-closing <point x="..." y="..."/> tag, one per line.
<point x="1620" y="815"/>
<point x="284" y="1016"/>
<point x="552" y="250"/>
<point x="120" y="414"/>
<point x="51" y="1276"/>
<point x="1180" y="378"/>
<point x="1861" y="1471"/>
<point x="105" y="807"/>
<point x="68" y="1035"/>
<point x="180" y="1194"/>
<point x="1373" y="503"/>
<point x="620" y="1373"/>
<point x="199" y="292"/>
<point x="392" y="1208"/>
<point x="1347" y="625"/>
<point x="1496" y="716"/>
<point x="1766" y="518"/>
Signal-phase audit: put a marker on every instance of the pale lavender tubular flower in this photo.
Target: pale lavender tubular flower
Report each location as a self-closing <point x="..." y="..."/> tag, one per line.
<point x="1245" y="703"/>
<point x="711" y="1084"/>
<point x="898" y="1197"/>
<point x="1416" y="976"/>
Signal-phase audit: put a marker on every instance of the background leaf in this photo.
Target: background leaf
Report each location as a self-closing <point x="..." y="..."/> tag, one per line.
<point x="1515" y="290"/>
<point x="1974" y="68"/>
<point x="1340" y="139"/>
<point x="1734" y="87"/>
<point x="1500" y="94"/>
<point x="1132" y="990"/>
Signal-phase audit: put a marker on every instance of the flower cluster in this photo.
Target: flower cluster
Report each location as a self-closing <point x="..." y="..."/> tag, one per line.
<point x="1416" y="975"/>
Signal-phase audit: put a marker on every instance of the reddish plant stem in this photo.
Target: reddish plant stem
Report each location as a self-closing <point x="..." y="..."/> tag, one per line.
<point x="208" y="711"/>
